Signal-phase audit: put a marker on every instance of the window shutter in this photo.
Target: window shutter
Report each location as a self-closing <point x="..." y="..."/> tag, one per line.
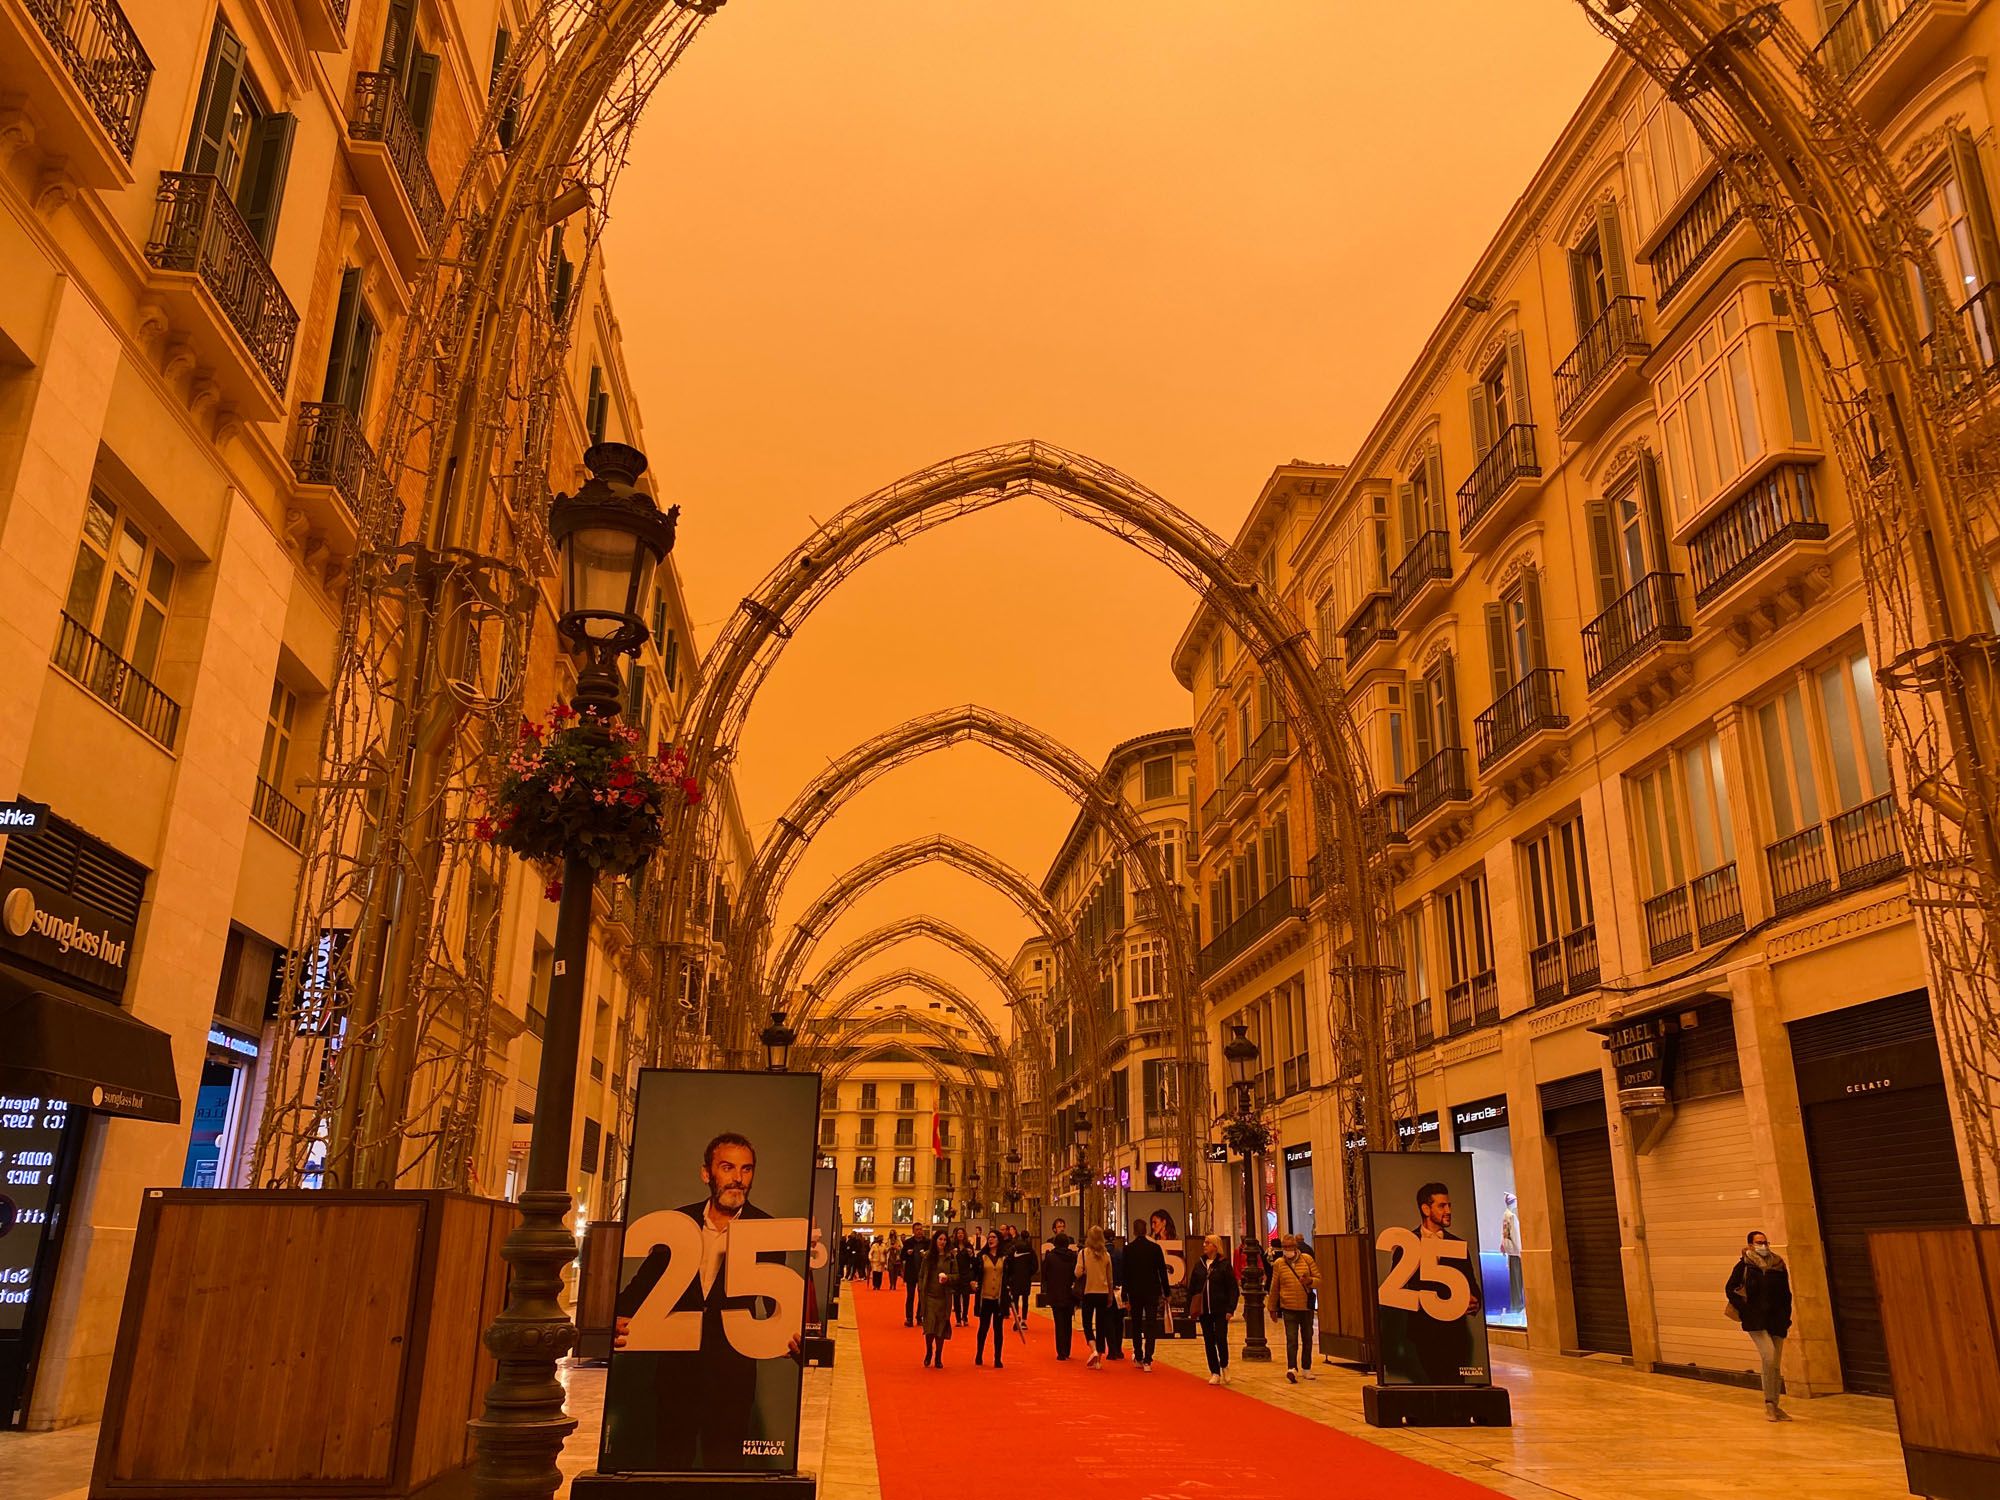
<point x="1582" y="296"/>
<point x="1531" y="597"/>
<point x="1603" y="552"/>
<point x="1481" y="413"/>
<point x="1496" y="651"/>
<point x="1517" y="376"/>
<point x="503" y="43"/>
<point x="1447" y="695"/>
<point x="263" y="190"/>
<point x="347" y="313"/>
<point x="399" y="35"/>
<point x="1434" y="519"/>
<point x="220" y="79"/>
<point x="1406" y="508"/>
<point x="1653" y="504"/>
<point x="1420" y="722"/>
<point x="421" y="93"/>
<point x="1611" y="246"/>
<point x="1965" y="166"/>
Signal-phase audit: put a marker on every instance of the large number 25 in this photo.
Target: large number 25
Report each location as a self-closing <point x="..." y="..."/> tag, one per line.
<point x="1446" y="1294"/>
<point x="656" y="1326"/>
<point x="1176" y="1266"/>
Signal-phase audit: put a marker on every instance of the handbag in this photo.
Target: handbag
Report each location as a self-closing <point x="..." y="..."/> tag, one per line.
<point x="1197" y="1305"/>
<point x="1735" y="1313"/>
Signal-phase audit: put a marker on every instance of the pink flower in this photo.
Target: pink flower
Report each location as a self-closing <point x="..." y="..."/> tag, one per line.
<point x="482" y="828"/>
<point x="635" y="799"/>
<point x="561" y="713"/>
<point x="554" y="890"/>
<point x="691" y="790"/>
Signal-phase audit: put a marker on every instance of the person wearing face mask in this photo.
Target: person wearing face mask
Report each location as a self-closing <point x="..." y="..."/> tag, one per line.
<point x="1294" y="1281"/>
<point x="1760" y="1298"/>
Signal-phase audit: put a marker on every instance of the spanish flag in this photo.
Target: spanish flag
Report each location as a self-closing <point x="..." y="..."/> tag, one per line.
<point x="937" y="1137"/>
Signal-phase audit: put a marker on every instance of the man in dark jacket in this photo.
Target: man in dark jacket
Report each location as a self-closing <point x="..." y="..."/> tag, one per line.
<point x="1145" y="1285"/>
<point x="1021" y="1265"/>
<point x="914" y="1249"/>
<point x="1059" y="1288"/>
<point x="1114" y="1313"/>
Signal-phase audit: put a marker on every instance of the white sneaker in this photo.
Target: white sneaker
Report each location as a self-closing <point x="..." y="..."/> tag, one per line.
<point x="1096" y="1360"/>
<point x="1309" y="1375"/>
<point x="1215" y="1380"/>
<point x="1225" y="1378"/>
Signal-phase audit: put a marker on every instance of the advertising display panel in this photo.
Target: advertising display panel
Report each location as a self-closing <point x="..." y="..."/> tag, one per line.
<point x="1165" y="1218"/>
<point x="1429" y="1310"/>
<point x="822" y="1260"/>
<point x="705" y="1364"/>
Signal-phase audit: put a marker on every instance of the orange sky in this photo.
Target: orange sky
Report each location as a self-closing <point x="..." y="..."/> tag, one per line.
<point x="1192" y="238"/>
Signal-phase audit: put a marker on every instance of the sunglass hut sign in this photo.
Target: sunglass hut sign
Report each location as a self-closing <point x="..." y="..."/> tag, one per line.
<point x="61" y="934"/>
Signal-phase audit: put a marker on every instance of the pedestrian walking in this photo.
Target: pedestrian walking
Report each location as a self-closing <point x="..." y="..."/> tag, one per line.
<point x="1059" y="1290"/>
<point x="878" y="1262"/>
<point x="1144" y="1284"/>
<point x="1213" y="1293"/>
<point x="915" y="1248"/>
<point x="895" y="1259"/>
<point x="1021" y="1267"/>
<point x="1114" y="1315"/>
<point x="968" y="1272"/>
<point x="1294" y="1293"/>
<point x="1097" y="1281"/>
<point x="992" y="1299"/>
<point x="937" y="1275"/>
<point x="1760" y="1298"/>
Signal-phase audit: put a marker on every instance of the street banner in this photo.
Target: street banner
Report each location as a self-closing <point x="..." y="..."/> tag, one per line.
<point x="821" y="1260"/>
<point x="705" y="1373"/>
<point x="1430" y="1317"/>
<point x="1165" y="1216"/>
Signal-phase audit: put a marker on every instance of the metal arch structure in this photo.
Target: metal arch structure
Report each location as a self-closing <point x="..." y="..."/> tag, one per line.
<point x="1916" y="417"/>
<point x="1102" y="801"/>
<point x="819" y="989"/>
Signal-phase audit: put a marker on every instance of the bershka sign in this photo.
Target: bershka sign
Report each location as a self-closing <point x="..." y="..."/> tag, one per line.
<point x="22" y="816"/>
<point x="57" y="934"/>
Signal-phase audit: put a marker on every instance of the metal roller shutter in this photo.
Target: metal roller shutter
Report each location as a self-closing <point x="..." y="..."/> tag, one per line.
<point x="1699" y="1188"/>
<point x="1590" y="1224"/>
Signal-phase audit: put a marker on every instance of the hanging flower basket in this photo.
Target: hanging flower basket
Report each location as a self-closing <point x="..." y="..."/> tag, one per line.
<point x="1081" y="1177"/>
<point x="1246" y="1135"/>
<point x="584" y="786"/>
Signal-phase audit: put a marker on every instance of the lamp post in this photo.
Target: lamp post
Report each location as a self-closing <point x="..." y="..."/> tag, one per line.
<point x="972" y="1191"/>
<point x="1081" y="1175"/>
<point x="610" y="537"/>
<point x="777" y="1039"/>
<point x="1242" y="1055"/>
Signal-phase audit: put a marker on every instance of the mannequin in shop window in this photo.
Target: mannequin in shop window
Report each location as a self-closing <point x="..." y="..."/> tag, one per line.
<point x="1510" y="1246"/>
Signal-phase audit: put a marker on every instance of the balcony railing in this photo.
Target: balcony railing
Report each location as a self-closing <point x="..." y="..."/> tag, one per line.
<point x="1458" y="1007"/>
<point x="328" y="448"/>
<point x="1316" y="872"/>
<point x="1439" y="780"/>
<point x="1867" y="845"/>
<point x="1272" y="744"/>
<point x="1485" y="998"/>
<point x="115" y="680"/>
<point x="101" y="51"/>
<point x="1391" y="819"/>
<point x="1545" y="967"/>
<point x="1770" y="515"/>
<point x="1283" y="901"/>
<point x="1429" y="558"/>
<point x="1510" y="459"/>
<point x="1644" y="615"/>
<point x="1421" y="1032"/>
<point x="1709" y="216"/>
<point x="279" y="813"/>
<point x="380" y="115"/>
<point x="1799" y="877"/>
<point x="1580" y="958"/>
<point x="1529" y="706"/>
<point x="1669" y="924"/>
<point x="197" y="228"/>
<point x="1372" y="623"/>
<point x="1858" y="32"/>
<point x="1613" y="334"/>
<point x="1718" y="904"/>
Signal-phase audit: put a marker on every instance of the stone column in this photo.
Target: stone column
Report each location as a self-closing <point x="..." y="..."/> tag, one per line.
<point x="1640" y="1310"/>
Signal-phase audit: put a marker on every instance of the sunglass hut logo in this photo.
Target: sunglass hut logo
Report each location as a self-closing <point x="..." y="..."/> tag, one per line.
<point x="22" y="916"/>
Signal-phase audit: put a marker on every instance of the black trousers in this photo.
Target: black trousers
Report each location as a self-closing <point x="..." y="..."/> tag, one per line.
<point x="1064" y="1316"/>
<point x="1145" y="1330"/>
<point x="910" y="1300"/>
<point x="992" y="1314"/>
<point x="1111" y="1327"/>
<point x="1096" y="1319"/>
<point x="1215" y="1341"/>
<point x="961" y="1301"/>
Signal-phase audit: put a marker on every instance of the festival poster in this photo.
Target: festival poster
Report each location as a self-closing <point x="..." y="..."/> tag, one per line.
<point x="1430" y="1316"/>
<point x="821" y="1260"/>
<point x="1165" y="1218"/>
<point x="705" y="1370"/>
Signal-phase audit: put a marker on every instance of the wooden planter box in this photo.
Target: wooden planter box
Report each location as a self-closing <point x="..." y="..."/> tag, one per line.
<point x="1939" y="1291"/>
<point x="597" y="1271"/>
<point x="1346" y="1297"/>
<point x="290" y="1343"/>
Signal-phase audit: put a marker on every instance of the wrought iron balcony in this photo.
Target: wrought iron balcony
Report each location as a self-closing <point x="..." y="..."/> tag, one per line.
<point x="278" y="813"/>
<point x="1580" y="967"/>
<point x="115" y="680"/>
<point x="381" y="117"/>
<point x="1545" y="968"/>
<point x="1281" y="903"/>
<point x="1612" y="336"/>
<point x="1718" y="904"/>
<point x="1772" y="513"/>
<point x="1701" y="226"/>
<point x="1867" y="845"/>
<point x="1861" y="31"/>
<point x="1485" y="998"/>
<point x="101" y="53"/>
<point x="328" y="448"/>
<point x="1370" y="625"/>
<point x="196" y="228"/>
<point x="1669" y="924"/>
<point x="1524" y="710"/>
<point x="1428" y="560"/>
<point x="1391" y="816"/>
<point x="1422" y="1033"/>
<point x="1508" y="462"/>
<point x="1458" y="1007"/>
<point x="1270" y="750"/>
<point x="1439" y="780"/>
<point x="1799" y="876"/>
<point x="1643" y="616"/>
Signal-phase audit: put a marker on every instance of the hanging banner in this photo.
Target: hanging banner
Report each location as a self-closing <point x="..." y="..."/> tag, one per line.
<point x="821" y="1260"/>
<point x="1430" y="1315"/>
<point x="705" y="1364"/>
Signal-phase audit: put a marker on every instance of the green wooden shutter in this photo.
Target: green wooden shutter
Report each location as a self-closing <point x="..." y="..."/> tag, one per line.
<point x="1582" y="295"/>
<point x="1517" y="377"/>
<point x="1447" y="696"/>
<point x="503" y="47"/>
<point x="399" y="35"/>
<point x="262" y="192"/>
<point x="1496" y="651"/>
<point x="420" y="94"/>
<point x="1603" y="552"/>
<point x="1480" y="411"/>
<point x="1434" y="506"/>
<point x="1653" y="504"/>
<point x="1611" y="247"/>
<point x="346" y="315"/>
<point x="1406" y="508"/>
<point x="1531" y="597"/>
<point x="1421" y="738"/>
<point x="1965" y="166"/>
<point x="221" y="77"/>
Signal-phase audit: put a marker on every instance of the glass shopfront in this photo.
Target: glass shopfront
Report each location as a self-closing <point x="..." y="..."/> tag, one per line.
<point x="1299" y="1190"/>
<point x="1480" y="1130"/>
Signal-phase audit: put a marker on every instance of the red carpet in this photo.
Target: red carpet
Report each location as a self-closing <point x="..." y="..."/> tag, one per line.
<point x="1038" y="1428"/>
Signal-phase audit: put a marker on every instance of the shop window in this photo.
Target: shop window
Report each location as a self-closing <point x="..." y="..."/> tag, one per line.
<point x="238" y="139"/>
<point x="904" y="1211"/>
<point x="121" y="591"/>
<point x="940" y="1210"/>
<point x="864" y="1210"/>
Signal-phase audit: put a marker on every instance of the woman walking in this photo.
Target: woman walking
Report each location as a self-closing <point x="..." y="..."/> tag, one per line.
<point x="1212" y="1297"/>
<point x="1760" y="1298"/>
<point x="1294" y="1284"/>
<point x="895" y="1259"/>
<point x="937" y="1280"/>
<point x="968" y="1272"/>
<point x="878" y="1262"/>
<point x="1095" y="1279"/>
<point x="992" y="1281"/>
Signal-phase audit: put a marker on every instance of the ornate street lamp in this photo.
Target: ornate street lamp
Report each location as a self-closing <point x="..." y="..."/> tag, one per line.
<point x="777" y="1039"/>
<point x="610" y="536"/>
<point x="1242" y="1055"/>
